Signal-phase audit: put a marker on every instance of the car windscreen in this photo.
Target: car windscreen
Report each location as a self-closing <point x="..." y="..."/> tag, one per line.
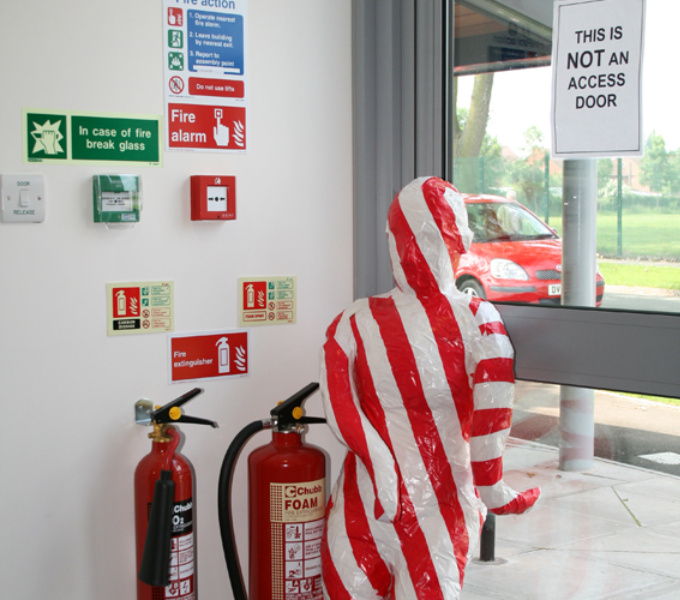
<point x="505" y="221"/>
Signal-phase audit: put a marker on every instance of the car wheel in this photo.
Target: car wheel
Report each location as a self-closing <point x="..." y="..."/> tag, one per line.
<point x="472" y="287"/>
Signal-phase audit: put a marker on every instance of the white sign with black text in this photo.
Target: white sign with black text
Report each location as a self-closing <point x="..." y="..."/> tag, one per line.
<point x="597" y="78"/>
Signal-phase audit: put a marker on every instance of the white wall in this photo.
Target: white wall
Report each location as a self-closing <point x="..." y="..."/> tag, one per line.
<point x="68" y="441"/>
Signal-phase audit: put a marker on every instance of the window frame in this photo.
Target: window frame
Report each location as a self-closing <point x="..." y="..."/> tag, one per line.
<point x="402" y="53"/>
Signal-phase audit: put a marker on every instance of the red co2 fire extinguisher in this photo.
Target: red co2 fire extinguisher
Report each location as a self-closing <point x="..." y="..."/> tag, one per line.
<point x="164" y="506"/>
<point x="286" y="498"/>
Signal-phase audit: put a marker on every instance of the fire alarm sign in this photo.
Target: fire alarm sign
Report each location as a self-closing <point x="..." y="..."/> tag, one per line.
<point x="213" y="197"/>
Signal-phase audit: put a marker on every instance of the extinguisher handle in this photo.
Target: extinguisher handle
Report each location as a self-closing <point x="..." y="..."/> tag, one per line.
<point x="311" y="420"/>
<point x="289" y="411"/>
<point x="197" y="421"/>
<point x="172" y="413"/>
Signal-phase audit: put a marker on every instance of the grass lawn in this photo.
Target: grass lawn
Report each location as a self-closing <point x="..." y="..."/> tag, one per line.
<point x="640" y="275"/>
<point x="645" y="235"/>
<point x="671" y="401"/>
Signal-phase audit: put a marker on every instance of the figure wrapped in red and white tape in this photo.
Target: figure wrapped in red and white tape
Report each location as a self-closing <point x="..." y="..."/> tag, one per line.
<point x="418" y="384"/>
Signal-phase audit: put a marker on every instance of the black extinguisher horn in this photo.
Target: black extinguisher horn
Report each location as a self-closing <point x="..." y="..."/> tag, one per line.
<point x="154" y="569"/>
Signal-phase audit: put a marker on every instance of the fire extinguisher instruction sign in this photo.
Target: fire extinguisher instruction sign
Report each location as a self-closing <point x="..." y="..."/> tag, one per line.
<point x="267" y="300"/>
<point x="140" y="307"/>
<point x="208" y="355"/>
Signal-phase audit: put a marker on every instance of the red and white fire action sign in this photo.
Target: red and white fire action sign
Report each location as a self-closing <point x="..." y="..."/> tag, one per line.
<point x="208" y="355"/>
<point x="204" y="46"/>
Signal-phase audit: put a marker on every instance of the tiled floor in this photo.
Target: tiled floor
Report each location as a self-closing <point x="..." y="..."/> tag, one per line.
<point x="611" y="532"/>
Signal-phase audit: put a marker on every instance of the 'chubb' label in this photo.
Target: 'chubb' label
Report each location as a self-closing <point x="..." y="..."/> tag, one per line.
<point x="294" y="502"/>
<point x="297" y="520"/>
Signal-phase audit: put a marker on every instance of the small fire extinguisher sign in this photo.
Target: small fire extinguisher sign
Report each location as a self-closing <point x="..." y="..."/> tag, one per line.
<point x="140" y="307"/>
<point x="267" y="300"/>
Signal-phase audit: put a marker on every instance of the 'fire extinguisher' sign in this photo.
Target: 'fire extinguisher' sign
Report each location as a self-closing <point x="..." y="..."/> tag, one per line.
<point x="209" y="355"/>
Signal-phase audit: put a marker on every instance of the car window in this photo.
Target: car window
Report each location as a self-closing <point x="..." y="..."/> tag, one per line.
<point x="505" y="221"/>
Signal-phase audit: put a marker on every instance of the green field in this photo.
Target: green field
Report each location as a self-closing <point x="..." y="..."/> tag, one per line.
<point x="647" y="235"/>
<point x="640" y="275"/>
<point x="671" y="401"/>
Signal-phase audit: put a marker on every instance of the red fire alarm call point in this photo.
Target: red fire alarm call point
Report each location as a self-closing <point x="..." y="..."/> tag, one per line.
<point x="213" y="197"/>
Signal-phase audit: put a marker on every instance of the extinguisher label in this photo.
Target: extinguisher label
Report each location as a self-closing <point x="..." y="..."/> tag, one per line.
<point x="181" y="586"/>
<point x="183" y="517"/>
<point x="297" y="502"/>
<point x="297" y="520"/>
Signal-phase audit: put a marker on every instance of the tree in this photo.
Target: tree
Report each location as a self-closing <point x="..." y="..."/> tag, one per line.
<point x="674" y="173"/>
<point x="605" y="169"/>
<point x="482" y="172"/>
<point x="607" y="185"/>
<point x="493" y="163"/>
<point x="469" y="130"/>
<point x="654" y="164"/>
<point x="528" y="173"/>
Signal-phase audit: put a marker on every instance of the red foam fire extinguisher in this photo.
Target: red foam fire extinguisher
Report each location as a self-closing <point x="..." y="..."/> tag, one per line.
<point x="286" y="499"/>
<point x="164" y="506"/>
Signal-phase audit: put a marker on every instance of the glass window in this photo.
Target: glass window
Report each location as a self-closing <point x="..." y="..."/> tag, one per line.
<point x="501" y="148"/>
<point x="585" y="540"/>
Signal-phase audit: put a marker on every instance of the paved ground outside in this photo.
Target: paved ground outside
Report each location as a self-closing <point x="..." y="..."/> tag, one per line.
<point x="628" y="430"/>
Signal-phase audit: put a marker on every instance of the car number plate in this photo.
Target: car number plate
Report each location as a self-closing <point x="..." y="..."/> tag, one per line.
<point x="554" y="289"/>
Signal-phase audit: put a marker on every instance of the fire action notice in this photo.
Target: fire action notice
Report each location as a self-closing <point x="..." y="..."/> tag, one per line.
<point x="267" y="300"/>
<point x="205" y="74"/>
<point x="134" y="308"/>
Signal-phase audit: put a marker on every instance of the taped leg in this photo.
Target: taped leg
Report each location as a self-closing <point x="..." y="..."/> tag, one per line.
<point x="352" y="565"/>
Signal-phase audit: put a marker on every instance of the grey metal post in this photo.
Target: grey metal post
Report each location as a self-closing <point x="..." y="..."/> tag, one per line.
<point x="546" y="185"/>
<point x="619" y="208"/>
<point x="579" y="265"/>
<point x="487" y="544"/>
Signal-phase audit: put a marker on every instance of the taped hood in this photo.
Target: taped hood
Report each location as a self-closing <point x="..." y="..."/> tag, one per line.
<point x="427" y="231"/>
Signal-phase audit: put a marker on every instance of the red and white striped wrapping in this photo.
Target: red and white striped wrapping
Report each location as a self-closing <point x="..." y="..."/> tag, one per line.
<point x="418" y="384"/>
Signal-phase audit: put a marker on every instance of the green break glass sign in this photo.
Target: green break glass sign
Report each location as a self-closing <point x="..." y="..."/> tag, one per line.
<point x="71" y="137"/>
<point x="114" y="139"/>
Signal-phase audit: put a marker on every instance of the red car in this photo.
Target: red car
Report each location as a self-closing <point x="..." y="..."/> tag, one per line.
<point x="514" y="256"/>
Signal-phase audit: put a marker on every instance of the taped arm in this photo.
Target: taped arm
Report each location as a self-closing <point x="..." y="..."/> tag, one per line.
<point x="350" y="424"/>
<point x="493" y="393"/>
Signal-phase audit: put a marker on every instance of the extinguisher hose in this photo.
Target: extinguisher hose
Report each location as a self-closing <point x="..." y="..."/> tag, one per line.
<point x="224" y="506"/>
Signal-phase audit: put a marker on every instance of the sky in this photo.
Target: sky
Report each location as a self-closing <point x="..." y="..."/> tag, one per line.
<point x="522" y="98"/>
